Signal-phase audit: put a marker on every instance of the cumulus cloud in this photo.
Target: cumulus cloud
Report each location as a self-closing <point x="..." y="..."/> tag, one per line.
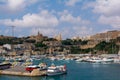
<point x="43" y="19"/>
<point x="71" y="19"/>
<point x="82" y="30"/>
<point x="107" y="7"/>
<point x="74" y="25"/>
<point x="15" y="5"/>
<point x="114" y="21"/>
<point x="49" y="23"/>
<point x="67" y="17"/>
<point x="109" y="11"/>
<point x="71" y="2"/>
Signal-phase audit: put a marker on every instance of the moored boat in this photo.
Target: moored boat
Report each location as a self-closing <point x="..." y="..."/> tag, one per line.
<point x="41" y="66"/>
<point x="30" y="68"/>
<point x="5" y="66"/>
<point x="56" y="70"/>
<point x="100" y="60"/>
<point x="79" y="60"/>
<point x="108" y="60"/>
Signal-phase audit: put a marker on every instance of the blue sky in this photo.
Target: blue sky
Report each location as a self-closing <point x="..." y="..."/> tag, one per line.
<point x="70" y="18"/>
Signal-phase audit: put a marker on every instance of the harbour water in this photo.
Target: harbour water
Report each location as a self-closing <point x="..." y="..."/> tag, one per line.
<point x="77" y="71"/>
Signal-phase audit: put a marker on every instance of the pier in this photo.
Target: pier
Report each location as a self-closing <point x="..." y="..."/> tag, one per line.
<point x="20" y="71"/>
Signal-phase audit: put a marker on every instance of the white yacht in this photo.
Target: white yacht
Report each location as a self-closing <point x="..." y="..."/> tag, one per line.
<point x="56" y="70"/>
<point x="95" y="60"/>
<point x="100" y="60"/>
<point x="79" y="60"/>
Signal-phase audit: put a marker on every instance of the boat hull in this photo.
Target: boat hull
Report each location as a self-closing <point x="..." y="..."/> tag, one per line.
<point x="5" y="66"/>
<point x="56" y="73"/>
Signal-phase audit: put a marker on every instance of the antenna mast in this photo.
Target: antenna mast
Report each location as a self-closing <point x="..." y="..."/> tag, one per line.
<point x="12" y="30"/>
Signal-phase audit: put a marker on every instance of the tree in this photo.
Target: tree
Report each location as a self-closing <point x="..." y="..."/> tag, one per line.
<point x="101" y="46"/>
<point x="40" y="44"/>
<point x="30" y="41"/>
<point x="67" y="42"/>
<point x="109" y="47"/>
<point x="75" y="50"/>
<point x="84" y="42"/>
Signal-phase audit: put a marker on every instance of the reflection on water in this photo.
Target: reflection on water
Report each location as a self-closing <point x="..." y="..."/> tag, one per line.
<point x="94" y="65"/>
<point x="58" y="77"/>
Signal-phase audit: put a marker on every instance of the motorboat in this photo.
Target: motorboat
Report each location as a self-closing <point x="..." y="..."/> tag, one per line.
<point x="79" y="60"/>
<point x="100" y="60"/>
<point x="56" y="70"/>
<point x="95" y="60"/>
<point x="108" y="60"/>
<point x="42" y="66"/>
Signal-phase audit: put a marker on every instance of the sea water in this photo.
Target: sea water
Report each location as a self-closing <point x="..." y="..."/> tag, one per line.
<point x="76" y="71"/>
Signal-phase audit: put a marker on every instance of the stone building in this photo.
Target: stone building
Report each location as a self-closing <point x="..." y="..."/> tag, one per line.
<point x="39" y="37"/>
<point x="58" y="37"/>
<point x="95" y="39"/>
<point x="105" y="36"/>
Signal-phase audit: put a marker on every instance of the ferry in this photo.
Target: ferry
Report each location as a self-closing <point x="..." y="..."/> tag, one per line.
<point x="56" y="70"/>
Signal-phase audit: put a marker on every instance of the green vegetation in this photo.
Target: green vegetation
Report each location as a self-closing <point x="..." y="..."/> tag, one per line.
<point x="30" y="41"/>
<point x="10" y="41"/>
<point x="49" y="39"/>
<point x="84" y="42"/>
<point x="67" y="42"/>
<point x="78" y="50"/>
<point x="40" y="44"/>
<point x="6" y="41"/>
<point x="101" y="46"/>
<point x="71" y="42"/>
<point x="75" y="50"/>
<point x="109" y="47"/>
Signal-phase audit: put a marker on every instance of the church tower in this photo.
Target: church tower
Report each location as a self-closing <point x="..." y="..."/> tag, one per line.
<point x="58" y="37"/>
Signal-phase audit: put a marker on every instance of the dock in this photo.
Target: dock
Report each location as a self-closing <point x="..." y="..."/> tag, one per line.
<point x="20" y="71"/>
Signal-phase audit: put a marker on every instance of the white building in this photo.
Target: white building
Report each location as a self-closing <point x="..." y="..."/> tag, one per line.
<point x="8" y="46"/>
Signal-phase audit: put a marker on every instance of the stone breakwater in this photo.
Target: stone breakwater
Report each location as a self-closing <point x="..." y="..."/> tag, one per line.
<point x="20" y="71"/>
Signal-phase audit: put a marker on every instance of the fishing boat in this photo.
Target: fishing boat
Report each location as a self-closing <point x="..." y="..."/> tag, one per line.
<point x="56" y="70"/>
<point x="31" y="67"/>
<point x="41" y="66"/>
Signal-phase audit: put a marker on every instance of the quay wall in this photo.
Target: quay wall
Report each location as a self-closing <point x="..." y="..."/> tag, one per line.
<point x="35" y="72"/>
